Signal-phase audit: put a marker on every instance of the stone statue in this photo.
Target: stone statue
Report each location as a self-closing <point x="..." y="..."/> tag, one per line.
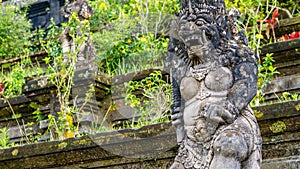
<point x="213" y="76"/>
<point x="86" y="53"/>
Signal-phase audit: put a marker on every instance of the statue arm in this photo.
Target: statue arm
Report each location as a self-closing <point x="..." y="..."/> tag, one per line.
<point x="177" y="105"/>
<point x="244" y="87"/>
<point x="176" y="110"/>
<point x="174" y="79"/>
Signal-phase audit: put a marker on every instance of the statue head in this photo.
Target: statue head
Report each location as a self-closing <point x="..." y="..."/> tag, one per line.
<point x="207" y="32"/>
<point x="81" y="7"/>
<point x="208" y="7"/>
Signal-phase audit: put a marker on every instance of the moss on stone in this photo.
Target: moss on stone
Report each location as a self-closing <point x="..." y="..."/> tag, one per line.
<point x="278" y="127"/>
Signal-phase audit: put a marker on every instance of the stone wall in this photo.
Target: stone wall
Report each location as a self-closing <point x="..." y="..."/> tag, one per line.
<point x="154" y="146"/>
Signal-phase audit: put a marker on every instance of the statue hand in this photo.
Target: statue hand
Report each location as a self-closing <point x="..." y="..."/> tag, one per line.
<point x="218" y="114"/>
<point x="176" y="114"/>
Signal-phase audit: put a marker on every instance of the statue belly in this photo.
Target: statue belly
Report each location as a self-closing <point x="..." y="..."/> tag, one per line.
<point x="191" y="113"/>
<point x="191" y="117"/>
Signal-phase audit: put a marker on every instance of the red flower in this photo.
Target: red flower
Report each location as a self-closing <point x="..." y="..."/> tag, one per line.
<point x="294" y="35"/>
<point x="271" y="23"/>
<point x="2" y="87"/>
<point x="286" y="37"/>
<point x="274" y="18"/>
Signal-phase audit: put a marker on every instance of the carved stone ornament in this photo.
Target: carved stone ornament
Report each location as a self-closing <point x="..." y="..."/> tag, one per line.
<point x="214" y="75"/>
<point x="87" y="52"/>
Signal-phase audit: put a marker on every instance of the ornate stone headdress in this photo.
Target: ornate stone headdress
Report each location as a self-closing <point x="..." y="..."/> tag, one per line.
<point x="219" y="25"/>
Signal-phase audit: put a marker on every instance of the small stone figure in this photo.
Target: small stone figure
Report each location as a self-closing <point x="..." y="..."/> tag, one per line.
<point x="86" y="53"/>
<point x="214" y="75"/>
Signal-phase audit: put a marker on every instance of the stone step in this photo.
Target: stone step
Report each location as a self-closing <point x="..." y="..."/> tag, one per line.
<point x="292" y="162"/>
<point x="152" y="146"/>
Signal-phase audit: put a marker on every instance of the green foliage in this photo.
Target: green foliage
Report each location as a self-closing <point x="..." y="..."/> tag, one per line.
<point x="14" y="77"/>
<point x="14" y="32"/>
<point x="278" y="127"/>
<point x="287" y="96"/>
<point x="133" y="53"/>
<point x="30" y="135"/>
<point x="51" y="44"/>
<point x="266" y="72"/>
<point x="106" y="11"/>
<point x="258" y="114"/>
<point x="15" y="37"/>
<point x="61" y="69"/>
<point x="13" y="81"/>
<point x="38" y="115"/>
<point x="253" y="14"/>
<point x="4" y="138"/>
<point x="15" y="41"/>
<point x="293" y="6"/>
<point x="150" y="98"/>
<point x="131" y="35"/>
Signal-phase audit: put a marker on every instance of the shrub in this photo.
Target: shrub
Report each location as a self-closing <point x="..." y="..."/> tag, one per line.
<point x="14" y="32"/>
<point x="150" y="98"/>
<point x="131" y="35"/>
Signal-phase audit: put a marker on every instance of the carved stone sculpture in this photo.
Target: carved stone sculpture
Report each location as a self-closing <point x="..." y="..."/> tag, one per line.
<point x="86" y="53"/>
<point x="214" y="75"/>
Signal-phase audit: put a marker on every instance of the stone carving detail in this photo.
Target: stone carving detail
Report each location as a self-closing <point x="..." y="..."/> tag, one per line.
<point x="214" y="75"/>
<point x="86" y="54"/>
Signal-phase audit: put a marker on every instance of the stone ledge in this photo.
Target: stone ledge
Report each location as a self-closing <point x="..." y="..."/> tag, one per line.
<point x="151" y="146"/>
<point x="279" y="110"/>
<point x="282" y="163"/>
<point x="281" y="46"/>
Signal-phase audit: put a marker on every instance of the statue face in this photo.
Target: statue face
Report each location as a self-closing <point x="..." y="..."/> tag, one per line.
<point x="199" y="48"/>
<point x="81" y="7"/>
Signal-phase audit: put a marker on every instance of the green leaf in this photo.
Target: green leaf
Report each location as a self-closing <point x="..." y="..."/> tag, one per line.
<point x="34" y="105"/>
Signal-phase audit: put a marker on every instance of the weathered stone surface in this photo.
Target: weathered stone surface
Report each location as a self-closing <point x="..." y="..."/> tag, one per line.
<point x="41" y="11"/>
<point x="36" y="58"/>
<point x="285" y="83"/>
<point x="278" y="110"/>
<point x="94" y="150"/>
<point x="292" y="162"/>
<point x="213" y="76"/>
<point x="149" y="147"/>
<point x="281" y="46"/>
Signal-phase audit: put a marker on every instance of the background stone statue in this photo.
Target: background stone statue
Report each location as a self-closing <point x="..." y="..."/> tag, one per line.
<point x="87" y="52"/>
<point x="214" y="75"/>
